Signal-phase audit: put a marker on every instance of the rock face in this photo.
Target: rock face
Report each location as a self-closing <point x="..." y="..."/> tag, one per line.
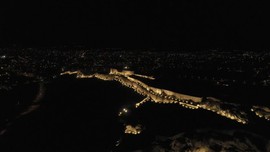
<point x="212" y="141"/>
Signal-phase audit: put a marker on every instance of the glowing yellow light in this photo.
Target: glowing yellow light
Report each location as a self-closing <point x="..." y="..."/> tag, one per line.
<point x="133" y="130"/>
<point x="125" y="110"/>
<point x="163" y="96"/>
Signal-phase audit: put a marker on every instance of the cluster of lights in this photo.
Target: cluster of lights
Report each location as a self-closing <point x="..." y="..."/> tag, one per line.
<point x="262" y="112"/>
<point x="143" y="101"/>
<point x="231" y="116"/>
<point x="133" y="130"/>
<point x="128" y="73"/>
<point x="163" y="96"/>
<point x="124" y="111"/>
<point x="241" y="118"/>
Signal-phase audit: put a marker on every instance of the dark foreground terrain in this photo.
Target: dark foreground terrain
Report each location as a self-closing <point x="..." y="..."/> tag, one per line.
<point x="43" y="111"/>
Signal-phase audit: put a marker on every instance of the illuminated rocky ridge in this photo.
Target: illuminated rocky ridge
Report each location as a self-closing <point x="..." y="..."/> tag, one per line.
<point x="202" y="75"/>
<point x="162" y="96"/>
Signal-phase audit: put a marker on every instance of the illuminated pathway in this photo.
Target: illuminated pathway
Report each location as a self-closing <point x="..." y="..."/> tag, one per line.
<point x="163" y="96"/>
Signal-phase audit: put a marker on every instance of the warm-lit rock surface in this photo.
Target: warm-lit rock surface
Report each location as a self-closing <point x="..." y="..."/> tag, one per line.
<point x="162" y="96"/>
<point x="53" y="100"/>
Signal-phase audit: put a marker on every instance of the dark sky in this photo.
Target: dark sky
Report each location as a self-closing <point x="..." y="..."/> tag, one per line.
<point x="134" y="23"/>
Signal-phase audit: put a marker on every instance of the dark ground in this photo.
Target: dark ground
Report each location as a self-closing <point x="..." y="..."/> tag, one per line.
<point x="81" y="115"/>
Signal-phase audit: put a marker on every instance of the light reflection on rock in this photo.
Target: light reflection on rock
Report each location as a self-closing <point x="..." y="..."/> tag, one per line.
<point x="157" y="95"/>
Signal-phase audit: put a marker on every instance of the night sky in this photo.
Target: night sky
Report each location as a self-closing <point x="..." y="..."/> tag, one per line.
<point x="135" y="24"/>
